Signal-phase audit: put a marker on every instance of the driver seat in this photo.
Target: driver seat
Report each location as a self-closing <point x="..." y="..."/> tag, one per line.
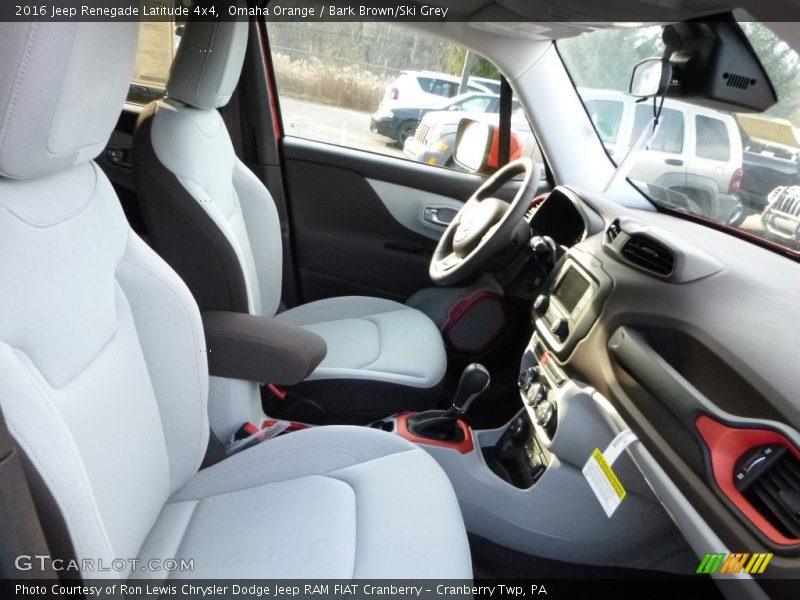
<point x="216" y="224"/>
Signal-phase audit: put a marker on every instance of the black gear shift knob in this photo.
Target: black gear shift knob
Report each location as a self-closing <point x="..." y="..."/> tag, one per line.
<point x="474" y="381"/>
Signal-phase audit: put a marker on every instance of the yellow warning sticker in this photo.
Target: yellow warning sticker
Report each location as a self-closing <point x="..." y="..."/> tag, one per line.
<point x="609" y="473"/>
<point x="601" y="477"/>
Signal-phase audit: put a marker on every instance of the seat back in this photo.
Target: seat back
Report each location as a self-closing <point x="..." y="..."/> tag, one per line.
<point x="208" y="216"/>
<point x="104" y="379"/>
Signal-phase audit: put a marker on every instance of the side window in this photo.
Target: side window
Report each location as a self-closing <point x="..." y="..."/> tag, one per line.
<point x="376" y="86"/>
<point x="712" y="138"/>
<point x="158" y="42"/>
<point x="670" y="134"/>
<point x="607" y="117"/>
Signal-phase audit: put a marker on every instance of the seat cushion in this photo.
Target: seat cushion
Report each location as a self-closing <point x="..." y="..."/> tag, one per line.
<point x="328" y="502"/>
<point x="373" y="339"/>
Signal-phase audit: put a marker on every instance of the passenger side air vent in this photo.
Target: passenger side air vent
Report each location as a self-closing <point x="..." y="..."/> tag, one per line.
<point x="738" y="81"/>
<point x="613" y="231"/>
<point x="769" y="478"/>
<point x="648" y="254"/>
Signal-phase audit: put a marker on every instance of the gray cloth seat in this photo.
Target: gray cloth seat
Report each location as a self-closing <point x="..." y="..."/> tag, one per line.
<point x="216" y="224"/>
<point x="105" y="382"/>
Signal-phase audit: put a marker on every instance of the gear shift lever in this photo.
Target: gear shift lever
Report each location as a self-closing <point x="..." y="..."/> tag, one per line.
<point x="443" y="424"/>
<point x="474" y="381"/>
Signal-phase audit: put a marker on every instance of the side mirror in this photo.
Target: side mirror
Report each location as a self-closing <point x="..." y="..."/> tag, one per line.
<point x="651" y="77"/>
<point x="473" y="145"/>
<point x="477" y="147"/>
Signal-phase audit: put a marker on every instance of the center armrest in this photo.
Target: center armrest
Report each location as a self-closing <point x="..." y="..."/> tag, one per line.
<point x="243" y="346"/>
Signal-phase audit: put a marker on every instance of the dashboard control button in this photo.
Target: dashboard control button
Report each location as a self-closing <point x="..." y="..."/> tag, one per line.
<point x="541" y="304"/>
<point x="544" y="412"/>
<point x="560" y="328"/>
<point x="536" y="394"/>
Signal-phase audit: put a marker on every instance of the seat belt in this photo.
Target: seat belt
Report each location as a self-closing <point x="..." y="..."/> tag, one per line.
<point x="21" y="532"/>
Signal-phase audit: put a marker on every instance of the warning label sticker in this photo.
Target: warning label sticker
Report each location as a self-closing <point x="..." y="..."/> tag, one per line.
<point x="601" y="477"/>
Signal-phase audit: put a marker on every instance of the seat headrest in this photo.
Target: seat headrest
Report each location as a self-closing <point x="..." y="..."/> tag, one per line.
<point x="208" y="63"/>
<point x="62" y="87"/>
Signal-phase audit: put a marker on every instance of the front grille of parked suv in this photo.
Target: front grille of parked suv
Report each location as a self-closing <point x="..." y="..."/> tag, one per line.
<point x="786" y="199"/>
<point x="782" y="215"/>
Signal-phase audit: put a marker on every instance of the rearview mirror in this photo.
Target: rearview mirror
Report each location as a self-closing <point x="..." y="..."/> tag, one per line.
<point x="650" y="78"/>
<point x="473" y="145"/>
<point x="709" y="64"/>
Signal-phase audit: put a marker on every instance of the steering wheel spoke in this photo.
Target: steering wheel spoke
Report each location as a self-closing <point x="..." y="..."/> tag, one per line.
<point x="448" y="262"/>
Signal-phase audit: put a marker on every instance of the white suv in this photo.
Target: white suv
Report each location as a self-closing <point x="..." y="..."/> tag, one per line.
<point x="697" y="151"/>
<point x="424" y="88"/>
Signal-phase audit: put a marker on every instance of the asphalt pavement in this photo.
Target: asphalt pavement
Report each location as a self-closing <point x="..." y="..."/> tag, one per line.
<point x="334" y="125"/>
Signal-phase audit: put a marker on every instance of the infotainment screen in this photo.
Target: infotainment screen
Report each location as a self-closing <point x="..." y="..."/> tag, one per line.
<point x="570" y="289"/>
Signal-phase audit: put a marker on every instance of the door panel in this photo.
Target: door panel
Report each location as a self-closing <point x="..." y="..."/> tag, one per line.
<point x="351" y="233"/>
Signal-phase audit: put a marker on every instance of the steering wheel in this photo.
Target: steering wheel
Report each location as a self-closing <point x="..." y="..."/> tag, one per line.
<point x="484" y="226"/>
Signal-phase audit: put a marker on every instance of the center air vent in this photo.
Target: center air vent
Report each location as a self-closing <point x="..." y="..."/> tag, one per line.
<point x="769" y="477"/>
<point x="648" y="254"/>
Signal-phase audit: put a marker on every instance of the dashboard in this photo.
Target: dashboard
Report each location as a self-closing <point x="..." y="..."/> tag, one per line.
<point x="656" y="314"/>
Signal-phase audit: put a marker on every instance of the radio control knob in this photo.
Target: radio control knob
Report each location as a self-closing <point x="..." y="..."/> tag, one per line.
<point x="560" y="328"/>
<point x="527" y="377"/>
<point x="537" y="393"/>
<point x="541" y="304"/>
<point x="524" y="379"/>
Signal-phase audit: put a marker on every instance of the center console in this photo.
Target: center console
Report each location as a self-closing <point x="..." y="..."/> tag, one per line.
<point x="521" y="485"/>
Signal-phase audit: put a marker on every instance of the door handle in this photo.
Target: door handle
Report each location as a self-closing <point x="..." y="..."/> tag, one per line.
<point x="675" y="162"/>
<point x="438" y="216"/>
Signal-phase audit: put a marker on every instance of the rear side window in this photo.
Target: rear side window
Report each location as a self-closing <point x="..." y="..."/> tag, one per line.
<point x="607" y="117"/>
<point x="712" y="138"/>
<point x="670" y="133"/>
<point x="440" y="87"/>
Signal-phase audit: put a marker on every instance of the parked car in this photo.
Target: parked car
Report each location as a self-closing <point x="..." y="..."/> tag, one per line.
<point x="697" y="151"/>
<point x="400" y="122"/>
<point x="426" y="88"/>
<point x="781" y="218"/>
<point x="435" y="137"/>
<point x="771" y="159"/>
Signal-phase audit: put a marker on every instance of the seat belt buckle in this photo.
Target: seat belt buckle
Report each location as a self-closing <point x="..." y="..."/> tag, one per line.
<point x="245" y="431"/>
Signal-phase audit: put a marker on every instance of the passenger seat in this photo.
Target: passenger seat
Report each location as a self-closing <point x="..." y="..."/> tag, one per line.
<point x="216" y="224"/>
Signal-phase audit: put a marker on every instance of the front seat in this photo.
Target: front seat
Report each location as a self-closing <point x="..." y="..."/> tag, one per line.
<point x="104" y="384"/>
<point x="216" y="224"/>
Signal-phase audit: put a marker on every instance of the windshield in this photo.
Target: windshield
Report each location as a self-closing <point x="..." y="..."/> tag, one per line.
<point x="735" y="168"/>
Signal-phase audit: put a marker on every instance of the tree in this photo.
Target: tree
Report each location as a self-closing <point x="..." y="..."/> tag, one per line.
<point x="782" y="66"/>
<point x="604" y="59"/>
